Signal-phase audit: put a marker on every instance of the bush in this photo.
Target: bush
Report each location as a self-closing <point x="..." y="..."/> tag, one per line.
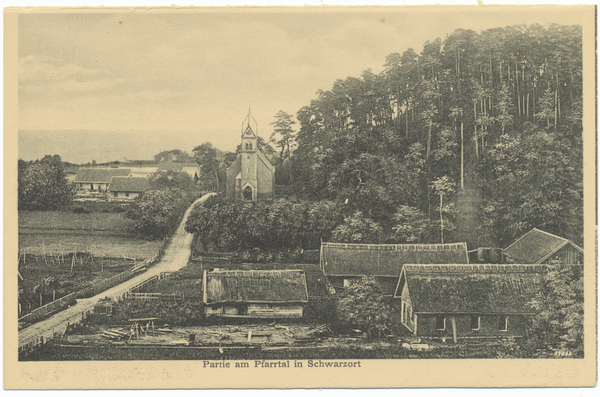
<point x="157" y="213"/>
<point x="278" y="225"/>
<point x="80" y="210"/>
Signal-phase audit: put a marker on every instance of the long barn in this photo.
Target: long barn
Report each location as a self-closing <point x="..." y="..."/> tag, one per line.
<point x="342" y="262"/>
<point x="459" y="300"/>
<point x="254" y="293"/>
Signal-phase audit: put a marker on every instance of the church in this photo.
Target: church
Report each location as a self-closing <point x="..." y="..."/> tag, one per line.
<point x="252" y="176"/>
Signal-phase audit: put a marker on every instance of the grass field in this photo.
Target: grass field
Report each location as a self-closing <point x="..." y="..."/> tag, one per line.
<point x="57" y="220"/>
<point x="101" y="234"/>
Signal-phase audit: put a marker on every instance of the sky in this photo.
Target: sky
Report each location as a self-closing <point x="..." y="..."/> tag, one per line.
<point x="125" y="85"/>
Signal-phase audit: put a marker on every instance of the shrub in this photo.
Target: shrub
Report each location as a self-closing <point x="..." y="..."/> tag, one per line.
<point x="80" y="210"/>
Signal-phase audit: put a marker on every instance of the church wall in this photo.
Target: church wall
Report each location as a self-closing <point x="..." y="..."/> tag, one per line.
<point x="265" y="182"/>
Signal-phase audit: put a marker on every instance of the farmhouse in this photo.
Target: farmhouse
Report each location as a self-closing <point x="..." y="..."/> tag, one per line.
<point x="537" y="246"/>
<point x="467" y="300"/>
<point x="126" y="187"/>
<point x="254" y="293"/>
<point x="343" y="262"/>
<point x="251" y="176"/>
<point x="96" y="179"/>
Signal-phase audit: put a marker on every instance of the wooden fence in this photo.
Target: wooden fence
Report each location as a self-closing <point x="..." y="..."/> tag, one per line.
<point x="52" y="334"/>
<point x="43" y="311"/>
<point x="148" y="296"/>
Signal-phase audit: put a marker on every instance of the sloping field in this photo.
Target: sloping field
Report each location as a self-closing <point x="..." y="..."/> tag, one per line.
<point x="101" y="234"/>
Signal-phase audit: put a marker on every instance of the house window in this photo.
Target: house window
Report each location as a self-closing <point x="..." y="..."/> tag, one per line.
<point x="440" y="322"/>
<point x="503" y="323"/>
<point x="475" y="323"/>
<point x="126" y="194"/>
<point x="346" y="283"/>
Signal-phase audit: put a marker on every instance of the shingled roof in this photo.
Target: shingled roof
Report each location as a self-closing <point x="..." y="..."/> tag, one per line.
<point x="255" y="286"/>
<point x="128" y="184"/>
<point x="340" y="259"/>
<point x="536" y="246"/>
<point x="471" y="288"/>
<point x="99" y="175"/>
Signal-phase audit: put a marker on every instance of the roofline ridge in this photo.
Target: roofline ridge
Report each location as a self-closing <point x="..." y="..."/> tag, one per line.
<point x="549" y="234"/>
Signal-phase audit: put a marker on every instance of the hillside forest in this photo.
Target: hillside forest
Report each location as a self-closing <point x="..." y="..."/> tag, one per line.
<point x="478" y="138"/>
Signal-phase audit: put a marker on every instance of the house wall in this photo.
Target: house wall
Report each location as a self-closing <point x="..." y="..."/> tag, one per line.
<point x="567" y="254"/>
<point x="407" y="317"/>
<point x="265" y="182"/>
<point x="213" y="310"/>
<point x="88" y="186"/>
<point x="123" y="195"/>
<point x="260" y="310"/>
<point x="488" y="326"/>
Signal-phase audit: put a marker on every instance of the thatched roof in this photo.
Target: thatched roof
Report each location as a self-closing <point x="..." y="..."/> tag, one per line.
<point x="255" y="286"/>
<point x="128" y="184"/>
<point x="471" y="288"/>
<point x="99" y="175"/>
<point x="340" y="259"/>
<point x="536" y="246"/>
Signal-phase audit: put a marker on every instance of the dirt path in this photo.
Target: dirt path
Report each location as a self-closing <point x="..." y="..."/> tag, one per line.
<point x="176" y="257"/>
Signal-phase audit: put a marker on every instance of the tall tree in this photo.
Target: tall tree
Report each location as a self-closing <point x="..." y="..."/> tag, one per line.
<point x="283" y="137"/>
<point x="206" y="158"/>
<point x="42" y="184"/>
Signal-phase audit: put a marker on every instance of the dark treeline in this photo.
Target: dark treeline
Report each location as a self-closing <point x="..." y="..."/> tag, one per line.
<point x="498" y="112"/>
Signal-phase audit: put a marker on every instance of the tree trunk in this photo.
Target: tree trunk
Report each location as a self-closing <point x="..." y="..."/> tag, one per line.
<point x="429" y="138"/>
<point x="441" y="215"/>
<point x="462" y="153"/>
<point x="290" y="163"/>
<point x="406" y="117"/>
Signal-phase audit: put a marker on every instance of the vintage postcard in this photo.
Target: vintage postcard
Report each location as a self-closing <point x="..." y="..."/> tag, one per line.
<point x="300" y="197"/>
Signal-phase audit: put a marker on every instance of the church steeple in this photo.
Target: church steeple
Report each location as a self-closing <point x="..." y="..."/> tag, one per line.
<point x="251" y="176"/>
<point x="246" y="127"/>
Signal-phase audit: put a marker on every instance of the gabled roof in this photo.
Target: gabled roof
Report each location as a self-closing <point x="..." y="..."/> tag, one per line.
<point x="99" y="175"/>
<point x="128" y="184"/>
<point x="536" y="246"/>
<point x="340" y="259"/>
<point x="255" y="286"/>
<point x="473" y="289"/>
<point x="249" y="132"/>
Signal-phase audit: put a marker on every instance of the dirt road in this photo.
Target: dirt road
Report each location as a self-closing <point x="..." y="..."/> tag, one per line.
<point x="176" y="257"/>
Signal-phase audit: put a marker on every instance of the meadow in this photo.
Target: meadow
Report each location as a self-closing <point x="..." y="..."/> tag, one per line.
<point x="98" y="233"/>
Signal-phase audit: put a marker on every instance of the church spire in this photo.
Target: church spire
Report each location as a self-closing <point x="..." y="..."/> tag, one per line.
<point x="246" y="124"/>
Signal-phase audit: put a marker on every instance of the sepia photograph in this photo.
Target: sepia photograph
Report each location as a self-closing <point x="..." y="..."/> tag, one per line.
<point x="331" y="195"/>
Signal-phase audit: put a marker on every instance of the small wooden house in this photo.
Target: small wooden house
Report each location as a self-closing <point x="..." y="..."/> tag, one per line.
<point x="537" y="246"/>
<point x="467" y="300"/>
<point x="126" y="187"/>
<point x="254" y="293"/>
<point x="343" y="262"/>
<point x="96" y="179"/>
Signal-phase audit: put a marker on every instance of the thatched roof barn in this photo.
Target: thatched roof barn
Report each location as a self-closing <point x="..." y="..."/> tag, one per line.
<point x="127" y="187"/>
<point x="255" y="293"/>
<point x="537" y="246"/>
<point x="97" y="179"/>
<point x="480" y="299"/>
<point x="386" y="260"/>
